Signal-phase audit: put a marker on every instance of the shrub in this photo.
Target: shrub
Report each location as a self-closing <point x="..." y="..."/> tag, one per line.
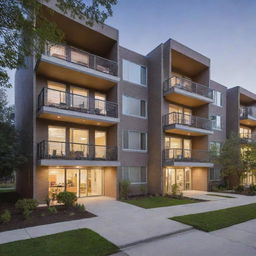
<point x="67" y="198"/>
<point x="174" y="189"/>
<point x="26" y="213"/>
<point x="5" y="216"/>
<point x="124" y="187"/>
<point x="239" y="188"/>
<point x="52" y="210"/>
<point x="48" y="201"/>
<point x="253" y="188"/>
<point x="26" y="204"/>
<point x="80" y="207"/>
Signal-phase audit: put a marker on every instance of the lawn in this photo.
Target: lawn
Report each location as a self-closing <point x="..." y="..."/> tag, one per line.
<point x="210" y="221"/>
<point x="158" y="201"/>
<point x="82" y="242"/>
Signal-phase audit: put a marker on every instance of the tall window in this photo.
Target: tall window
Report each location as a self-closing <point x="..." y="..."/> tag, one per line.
<point x="217" y="98"/>
<point x="216" y="122"/>
<point x="134" y="107"/>
<point x="245" y="132"/>
<point x="56" y="93"/>
<point x="134" y="73"/>
<point x="136" y="175"/>
<point x="214" y="174"/>
<point x="215" y="147"/>
<point x="135" y="140"/>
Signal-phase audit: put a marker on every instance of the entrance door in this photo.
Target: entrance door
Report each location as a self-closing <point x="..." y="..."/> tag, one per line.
<point x="180" y="179"/>
<point x="169" y="180"/>
<point x="72" y="181"/>
<point x="83" y="182"/>
<point x="94" y="182"/>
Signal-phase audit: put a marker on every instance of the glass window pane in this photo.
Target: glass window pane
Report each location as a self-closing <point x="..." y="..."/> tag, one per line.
<point x="56" y="178"/>
<point x="100" y="144"/>
<point x="58" y="51"/>
<point x="57" y="93"/>
<point x="100" y="103"/>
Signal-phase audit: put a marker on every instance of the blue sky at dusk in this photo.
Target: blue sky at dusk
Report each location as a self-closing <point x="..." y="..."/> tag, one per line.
<point x="223" y="30"/>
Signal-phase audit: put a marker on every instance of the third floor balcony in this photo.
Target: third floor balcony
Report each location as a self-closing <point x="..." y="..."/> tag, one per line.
<point x="185" y="124"/>
<point x="73" y="65"/>
<point x="248" y="115"/>
<point x="69" y="107"/>
<point x="178" y="89"/>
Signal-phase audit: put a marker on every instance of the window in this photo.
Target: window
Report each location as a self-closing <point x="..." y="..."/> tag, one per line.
<point x="216" y="122"/>
<point x="134" y="107"/>
<point x="217" y="98"/>
<point x="215" y="147"/>
<point x="56" y="93"/>
<point x="134" y="73"/>
<point x="245" y="132"/>
<point x="214" y="174"/>
<point x="134" y="140"/>
<point x="135" y="175"/>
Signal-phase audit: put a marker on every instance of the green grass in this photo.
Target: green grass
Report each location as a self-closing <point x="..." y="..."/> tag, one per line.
<point x="82" y="242"/>
<point x="210" y="221"/>
<point x="158" y="201"/>
<point x="220" y="195"/>
<point x="6" y="190"/>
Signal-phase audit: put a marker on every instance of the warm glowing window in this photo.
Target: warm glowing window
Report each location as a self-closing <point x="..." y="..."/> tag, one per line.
<point x="57" y="139"/>
<point x="79" y="57"/>
<point x="56" y="93"/>
<point x="79" y="97"/>
<point x="245" y="132"/>
<point x="100" y="142"/>
<point x="58" y="51"/>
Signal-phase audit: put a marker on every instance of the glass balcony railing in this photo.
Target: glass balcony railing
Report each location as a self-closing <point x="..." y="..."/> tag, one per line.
<point x="188" y="120"/>
<point x="70" y="101"/>
<point x="83" y="58"/>
<point x="245" y="112"/>
<point x="187" y="85"/>
<point x="75" y="151"/>
<point x="186" y="155"/>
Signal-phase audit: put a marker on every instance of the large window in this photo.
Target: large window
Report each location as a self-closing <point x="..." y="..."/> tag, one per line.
<point x="133" y="140"/>
<point x="135" y="175"/>
<point x="215" y="147"/>
<point x="214" y="174"/>
<point x="217" y="98"/>
<point x="134" y="73"/>
<point x="245" y="132"/>
<point x="134" y="107"/>
<point x="216" y="122"/>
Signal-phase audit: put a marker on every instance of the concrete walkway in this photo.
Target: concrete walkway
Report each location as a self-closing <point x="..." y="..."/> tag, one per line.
<point x="125" y="224"/>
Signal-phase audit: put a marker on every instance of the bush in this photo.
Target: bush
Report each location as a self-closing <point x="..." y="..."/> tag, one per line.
<point x="5" y="216"/>
<point x="124" y="187"/>
<point x="26" y="206"/>
<point x="52" y="210"/>
<point x="239" y="188"/>
<point x="48" y="201"/>
<point x="253" y="188"/>
<point x="174" y="189"/>
<point x="80" y="207"/>
<point x="26" y="213"/>
<point x="67" y="198"/>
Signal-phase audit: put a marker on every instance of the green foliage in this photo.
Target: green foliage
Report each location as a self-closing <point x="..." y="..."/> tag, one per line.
<point x="239" y="188"/>
<point x="5" y="216"/>
<point x="174" y="189"/>
<point x="48" y="201"/>
<point x="67" y="198"/>
<point x="52" y="210"/>
<point x="143" y="189"/>
<point x="124" y="188"/>
<point x="24" y="30"/>
<point x="26" y="206"/>
<point x="26" y="213"/>
<point x="80" y="207"/>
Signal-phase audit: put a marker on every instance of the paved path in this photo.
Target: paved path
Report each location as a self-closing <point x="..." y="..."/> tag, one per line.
<point x="125" y="224"/>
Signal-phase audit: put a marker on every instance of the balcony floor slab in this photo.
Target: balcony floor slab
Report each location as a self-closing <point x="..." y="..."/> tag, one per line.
<point x="186" y="130"/>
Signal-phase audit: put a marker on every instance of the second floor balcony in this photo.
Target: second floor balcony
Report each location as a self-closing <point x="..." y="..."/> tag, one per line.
<point x="73" y="65"/>
<point x="64" y="106"/>
<point x="186" y="157"/>
<point x="68" y="153"/>
<point x="248" y="115"/>
<point x="186" y="124"/>
<point x="178" y="89"/>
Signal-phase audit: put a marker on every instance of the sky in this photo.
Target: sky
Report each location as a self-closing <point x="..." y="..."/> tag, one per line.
<point x="222" y="30"/>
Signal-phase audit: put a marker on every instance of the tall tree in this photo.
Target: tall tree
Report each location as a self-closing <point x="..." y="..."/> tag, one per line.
<point x="24" y="30"/>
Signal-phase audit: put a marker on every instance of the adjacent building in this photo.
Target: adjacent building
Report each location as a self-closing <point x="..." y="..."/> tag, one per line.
<point x="94" y="113"/>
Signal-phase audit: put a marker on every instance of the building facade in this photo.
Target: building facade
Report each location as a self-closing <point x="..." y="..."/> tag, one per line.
<point x="94" y="113"/>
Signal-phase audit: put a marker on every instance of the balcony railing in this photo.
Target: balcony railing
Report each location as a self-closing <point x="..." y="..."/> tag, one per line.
<point x="83" y="58"/>
<point x="247" y="111"/>
<point x="75" y="151"/>
<point x="187" y="85"/>
<point x="186" y="155"/>
<point x="188" y="120"/>
<point x="75" y="102"/>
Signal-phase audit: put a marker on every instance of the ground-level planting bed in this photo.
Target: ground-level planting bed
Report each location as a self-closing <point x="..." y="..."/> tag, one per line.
<point x="159" y="201"/>
<point x="40" y="216"/>
<point x="81" y="242"/>
<point x="210" y="221"/>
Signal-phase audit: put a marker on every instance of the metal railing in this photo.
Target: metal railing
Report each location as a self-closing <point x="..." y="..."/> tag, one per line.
<point x="186" y="155"/>
<point x="187" y="85"/>
<point x="75" y="151"/>
<point x="83" y="58"/>
<point x="247" y="111"/>
<point x="186" y="119"/>
<point x="75" y="102"/>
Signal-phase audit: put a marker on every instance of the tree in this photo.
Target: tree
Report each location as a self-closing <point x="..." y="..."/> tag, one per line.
<point x="24" y="30"/>
<point x="230" y="160"/>
<point x="10" y="140"/>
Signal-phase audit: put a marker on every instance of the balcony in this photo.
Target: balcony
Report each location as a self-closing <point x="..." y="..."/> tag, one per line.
<point x="51" y="153"/>
<point x="248" y="116"/>
<point x="247" y="137"/>
<point x="177" y="89"/>
<point x="186" y="157"/>
<point x="68" y="107"/>
<point x="72" y="65"/>
<point x="185" y="124"/>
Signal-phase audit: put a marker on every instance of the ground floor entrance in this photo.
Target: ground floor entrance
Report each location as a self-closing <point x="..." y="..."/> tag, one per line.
<point x="81" y="181"/>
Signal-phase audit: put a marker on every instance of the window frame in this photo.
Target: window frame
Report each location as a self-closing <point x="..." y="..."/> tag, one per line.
<point x="215" y="93"/>
<point x="216" y="128"/>
<point x="214" y="170"/>
<point x="135" y="150"/>
<point x="146" y="68"/>
<point x="140" y="100"/>
<point x="135" y="183"/>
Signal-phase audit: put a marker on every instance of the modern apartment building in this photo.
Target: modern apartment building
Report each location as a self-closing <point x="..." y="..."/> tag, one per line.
<point x="95" y="113"/>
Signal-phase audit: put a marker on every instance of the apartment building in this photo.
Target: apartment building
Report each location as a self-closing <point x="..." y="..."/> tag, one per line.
<point x="94" y="113"/>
